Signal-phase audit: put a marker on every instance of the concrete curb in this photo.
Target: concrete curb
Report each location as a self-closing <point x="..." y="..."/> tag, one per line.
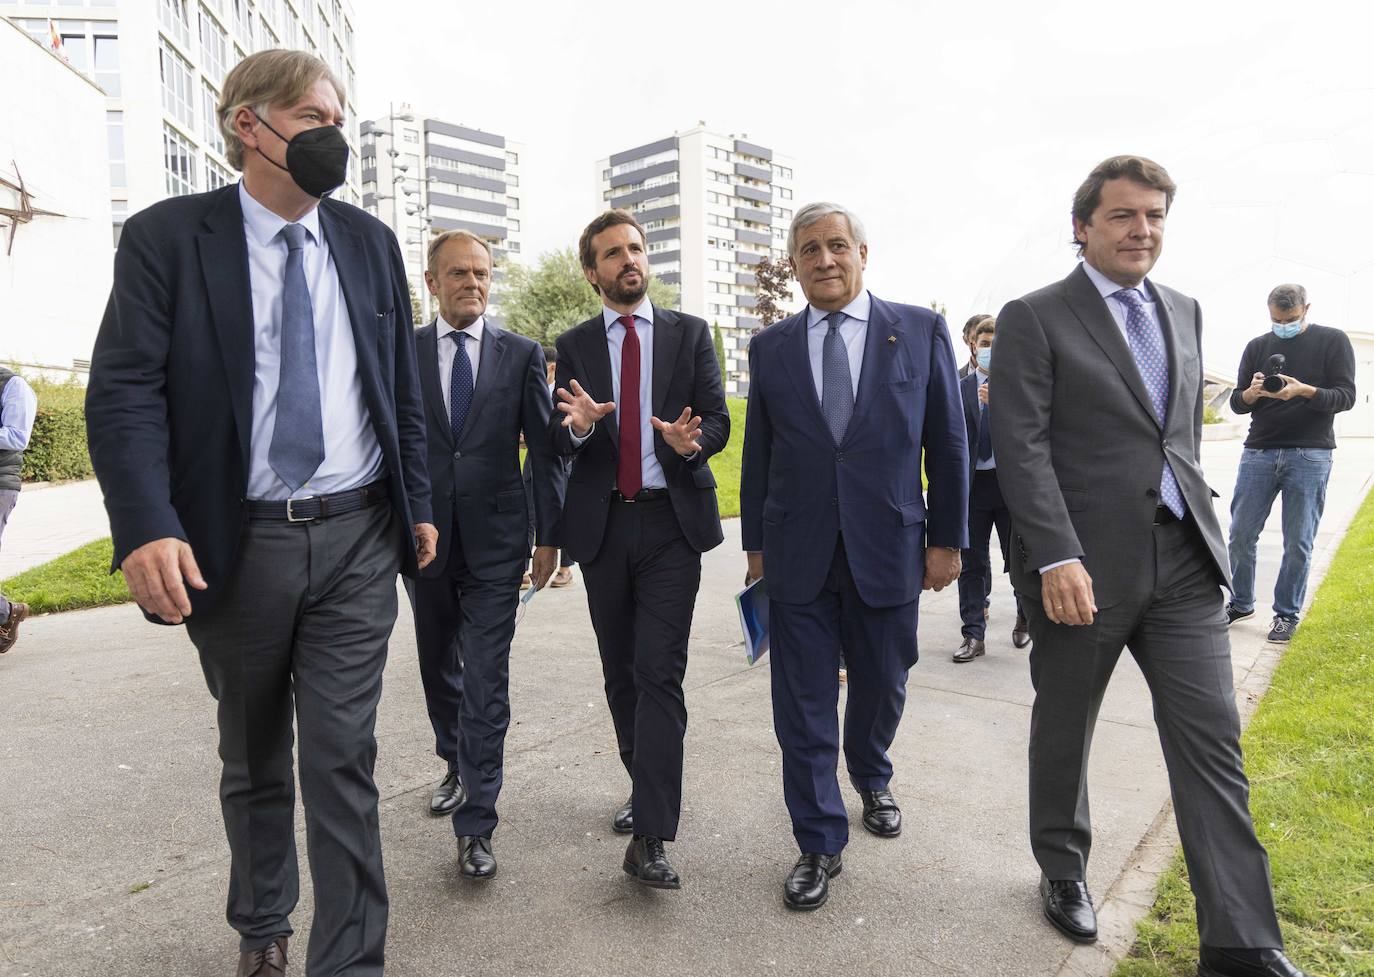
<point x="1132" y="893"/>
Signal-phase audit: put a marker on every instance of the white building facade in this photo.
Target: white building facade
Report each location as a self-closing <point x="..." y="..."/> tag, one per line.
<point x="423" y="176"/>
<point x="162" y="63"/>
<point x="55" y="266"/>
<point x="713" y="206"/>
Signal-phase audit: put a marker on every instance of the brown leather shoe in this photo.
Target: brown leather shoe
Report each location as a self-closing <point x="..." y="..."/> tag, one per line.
<point x="270" y="961"/>
<point x="9" y="631"/>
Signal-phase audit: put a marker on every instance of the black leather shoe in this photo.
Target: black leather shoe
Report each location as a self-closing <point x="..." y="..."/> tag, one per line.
<point x="807" y="886"/>
<point x="475" y="860"/>
<point x="1223" y="962"/>
<point x="448" y="796"/>
<point x="1070" y="908"/>
<point x="646" y="861"/>
<point x="969" y="650"/>
<point x="1020" y="632"/>
<point x="882" y="816"/>
<point x="623" y="823"/>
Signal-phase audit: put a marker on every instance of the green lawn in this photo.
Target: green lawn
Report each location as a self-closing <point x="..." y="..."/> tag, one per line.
<point x="81" y="578"/>
<point x="1309" y="752"/>
<point x="726" y="465"/>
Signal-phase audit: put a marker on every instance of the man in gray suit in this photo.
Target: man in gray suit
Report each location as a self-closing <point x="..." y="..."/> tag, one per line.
<point x="1096" y="428"/>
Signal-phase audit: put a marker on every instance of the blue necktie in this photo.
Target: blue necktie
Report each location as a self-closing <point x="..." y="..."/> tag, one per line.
<point x="837" y="384"/>
<point x="297" y="447"/>
<point x="984" y="434"/>
<point x="460" y="386"/>
<point x="1147" y="347"/>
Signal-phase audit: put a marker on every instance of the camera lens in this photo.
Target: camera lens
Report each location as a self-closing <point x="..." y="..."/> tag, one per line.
<point x="1274" y="383"/>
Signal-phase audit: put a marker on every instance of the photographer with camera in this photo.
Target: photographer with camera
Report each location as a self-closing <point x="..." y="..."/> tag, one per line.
<point x="1294" y="379"/>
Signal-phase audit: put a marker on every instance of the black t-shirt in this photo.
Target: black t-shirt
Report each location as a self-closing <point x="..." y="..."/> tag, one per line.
<point x="1320" y="356"/>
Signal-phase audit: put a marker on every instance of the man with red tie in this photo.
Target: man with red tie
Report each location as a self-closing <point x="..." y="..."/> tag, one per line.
<point x="641" y="407"/>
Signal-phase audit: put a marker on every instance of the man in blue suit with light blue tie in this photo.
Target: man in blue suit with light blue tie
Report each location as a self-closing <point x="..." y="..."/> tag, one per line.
<point x="844" y="399"/>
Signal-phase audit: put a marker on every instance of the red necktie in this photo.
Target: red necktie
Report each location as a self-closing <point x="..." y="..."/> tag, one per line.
<point x="629" y="477"/>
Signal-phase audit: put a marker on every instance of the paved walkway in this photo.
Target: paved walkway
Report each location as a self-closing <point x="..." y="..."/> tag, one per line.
<point x="51" y="520"/>
<point x="113" y="859"/>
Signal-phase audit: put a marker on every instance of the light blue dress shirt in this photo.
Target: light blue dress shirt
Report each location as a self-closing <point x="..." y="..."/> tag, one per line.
<point x="991" y="462"/>
<point x="651" y="471"/>
<point x="448" y="349"/>
<point x="853" y="332"/>
<point x="17" y="409"/>
<point x="352" y="456"/>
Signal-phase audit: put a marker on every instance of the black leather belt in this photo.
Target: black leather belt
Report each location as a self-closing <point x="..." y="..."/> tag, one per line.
<point x="1164" y="515"/>
<point x="643" y="495"/>
<point x="317" y="506"/>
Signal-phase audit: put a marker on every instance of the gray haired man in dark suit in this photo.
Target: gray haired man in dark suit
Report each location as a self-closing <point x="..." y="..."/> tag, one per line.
<point x="1096" y="428"/>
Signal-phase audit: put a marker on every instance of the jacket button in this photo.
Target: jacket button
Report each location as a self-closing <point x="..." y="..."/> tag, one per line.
<point x="457" y="456"/>
<point x="834" y="502"/>
<point x="1151" y="493"/>
<point x="839" y="456"/>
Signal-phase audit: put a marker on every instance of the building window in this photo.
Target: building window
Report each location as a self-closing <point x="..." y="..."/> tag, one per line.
<point x="114" y="141"/>
<point x="267" y="38"/>
<point x="107" y="62"/>
<point x="513" y="224"/>
<point x="214" y="139"/>
<point x="512" y="159"/>
<point x="243" y="21"/>
<point x="119" y="213"/>
<point x="784" y="193"/>
<point x="410" y="135"/>
<point x="512" y="180"/>
<point x="175" y="21"/>
<point x="214" y="47"/>
<point x="179" y="157"/>
<point x="217" y="176"/>
<point x="513" y="203"/>
<point x="176" y="85"/>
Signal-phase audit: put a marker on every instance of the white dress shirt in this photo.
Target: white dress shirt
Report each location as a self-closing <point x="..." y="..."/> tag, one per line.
<point x="352" y="456"/>
<point x="1107" y="288"/>
<point x="853" y="333"/>
<point x="651" y="472"/>
<point x="448" y="348"/>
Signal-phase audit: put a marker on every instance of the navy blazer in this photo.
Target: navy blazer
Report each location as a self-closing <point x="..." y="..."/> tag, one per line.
<point x="968" y="393"/>
<point x="686" y="373"/>
<point x="798" y="491"/>
<point x="477" y="480"/>
<point x="170" y="399"/>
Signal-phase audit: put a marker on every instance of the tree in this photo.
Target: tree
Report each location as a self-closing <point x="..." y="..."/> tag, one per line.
<point x="938" y="308"/>
<point x="719" y="342"/>
<point x="544" y="301"/>
<point x="416" y="309"/>
<point x="772" y="279"/>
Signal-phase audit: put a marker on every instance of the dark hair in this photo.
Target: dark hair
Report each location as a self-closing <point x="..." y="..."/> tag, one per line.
<point x="1286" y="298"/>
<point x="550" y="354"/>
<point x="971" y="327"/>
<point x="983" y="328"/>
<point x="607" y="220"/>
<point x="1137" y="169"/>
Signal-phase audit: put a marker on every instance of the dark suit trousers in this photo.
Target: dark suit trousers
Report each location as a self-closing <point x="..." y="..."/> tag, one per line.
<point x="641" y="590"/>
<point x="986" y="510"/>
<point x="304" y="619"/>
<point x="806" y="645"/>
<point x="1175" y="627"/>
<point x="463" y="630"/>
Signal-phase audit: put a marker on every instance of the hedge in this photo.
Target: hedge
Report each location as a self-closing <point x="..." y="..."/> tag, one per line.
<point x="57" y="446"/>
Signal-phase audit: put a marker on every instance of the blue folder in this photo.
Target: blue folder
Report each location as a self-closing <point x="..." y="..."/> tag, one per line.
<point x="752" y="602"/>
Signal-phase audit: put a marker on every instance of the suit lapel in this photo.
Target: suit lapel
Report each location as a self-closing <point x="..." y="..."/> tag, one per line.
<point x="596" y="359"/>
<point x="877" y="361"/>
<point x="223" y="249"/>
<point x="796" y="355"/>
<point x="346" y="250"/>
<point x="488" y="369"/>
<point x="1168" y="325"/>
<point x="667" y="340"/>
<point x="1091" y="309"/>
<point x="431" y="384"/>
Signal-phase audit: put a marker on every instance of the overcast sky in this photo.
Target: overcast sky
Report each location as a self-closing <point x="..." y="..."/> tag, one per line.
<point x="958" y="131"/>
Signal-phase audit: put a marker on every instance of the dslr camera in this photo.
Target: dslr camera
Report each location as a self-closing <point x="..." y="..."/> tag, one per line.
<point x="1272" y="382"/>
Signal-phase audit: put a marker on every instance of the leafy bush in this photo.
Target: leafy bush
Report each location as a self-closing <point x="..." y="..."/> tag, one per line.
<point x="1210" y="415"/>
<point x="57" y="447"/>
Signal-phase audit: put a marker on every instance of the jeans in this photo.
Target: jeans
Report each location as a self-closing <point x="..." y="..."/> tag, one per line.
<point x="1300" y="476"/>
<point x="8" y="497"/>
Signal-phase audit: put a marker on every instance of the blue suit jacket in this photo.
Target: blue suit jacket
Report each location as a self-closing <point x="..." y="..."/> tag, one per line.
<point x="968" y="393"/>
<point x="170" y="400"/>
<point x="798" y="491"/>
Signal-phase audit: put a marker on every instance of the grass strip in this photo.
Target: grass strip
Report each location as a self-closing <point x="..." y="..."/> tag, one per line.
<point x="77" y="579"/>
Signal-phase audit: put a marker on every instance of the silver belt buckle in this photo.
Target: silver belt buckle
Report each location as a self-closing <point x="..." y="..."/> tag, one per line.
<point x="291" y="516"/>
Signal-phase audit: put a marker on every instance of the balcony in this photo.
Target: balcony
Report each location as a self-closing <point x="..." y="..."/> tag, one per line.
<point x="763" y="217"/>
<point x="761" y="195"/>
<point x="753" y="172"/>
<point x="753" y="237"/>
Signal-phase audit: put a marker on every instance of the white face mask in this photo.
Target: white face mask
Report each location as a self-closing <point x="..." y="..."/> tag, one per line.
<point x="1287" y="330"/>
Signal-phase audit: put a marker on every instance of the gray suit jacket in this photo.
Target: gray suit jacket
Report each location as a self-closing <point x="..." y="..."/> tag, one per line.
<point x="1079" y="449"/>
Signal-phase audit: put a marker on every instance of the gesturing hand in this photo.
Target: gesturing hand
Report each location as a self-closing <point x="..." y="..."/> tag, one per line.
<point x="154" y="573"/>
<point x="580" y="412"/>
<point x="983" y="394"/>
<point x="683" y="435"/>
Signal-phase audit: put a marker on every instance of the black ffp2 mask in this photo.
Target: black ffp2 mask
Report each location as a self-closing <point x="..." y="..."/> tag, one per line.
<point x="317" y="158"/>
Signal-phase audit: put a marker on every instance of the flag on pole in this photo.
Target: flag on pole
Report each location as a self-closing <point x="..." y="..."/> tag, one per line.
<point x="55" y="40"/>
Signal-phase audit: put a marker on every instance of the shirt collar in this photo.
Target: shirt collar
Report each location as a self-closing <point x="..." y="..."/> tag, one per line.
<point x="474" y="330"/>
<point x="645" y="312"/>
<point x="263" y="226"/>
<point x="857" y="309"/>
<point x="1107" y="288"/>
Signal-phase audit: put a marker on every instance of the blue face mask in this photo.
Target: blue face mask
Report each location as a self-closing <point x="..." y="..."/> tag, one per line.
<point x="985" y="359"/>
<point x="1286" y="330"/>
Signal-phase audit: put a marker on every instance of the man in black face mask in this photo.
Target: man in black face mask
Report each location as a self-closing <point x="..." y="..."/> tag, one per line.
<point x="255" y="421"/>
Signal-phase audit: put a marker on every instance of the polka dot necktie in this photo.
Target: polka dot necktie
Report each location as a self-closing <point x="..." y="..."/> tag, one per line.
<point x="1147" y="347"/>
